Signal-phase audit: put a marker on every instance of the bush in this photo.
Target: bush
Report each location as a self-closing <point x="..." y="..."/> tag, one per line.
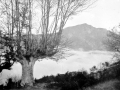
<point x="80" y="80"/>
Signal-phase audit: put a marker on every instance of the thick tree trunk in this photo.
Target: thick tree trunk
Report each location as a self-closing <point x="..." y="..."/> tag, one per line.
<point x="27" y="73"/>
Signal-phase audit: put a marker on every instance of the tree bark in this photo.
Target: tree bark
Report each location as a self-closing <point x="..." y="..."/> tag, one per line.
<point x="27" y="73"/>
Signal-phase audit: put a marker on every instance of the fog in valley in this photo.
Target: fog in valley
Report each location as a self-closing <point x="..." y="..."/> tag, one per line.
<point x="74" y="61"/>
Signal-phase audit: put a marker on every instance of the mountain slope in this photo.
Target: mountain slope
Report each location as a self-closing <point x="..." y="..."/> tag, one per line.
<point x="86" y="37"/>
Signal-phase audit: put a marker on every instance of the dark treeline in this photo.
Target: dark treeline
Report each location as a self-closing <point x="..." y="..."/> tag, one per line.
<point x="82" y="79"/>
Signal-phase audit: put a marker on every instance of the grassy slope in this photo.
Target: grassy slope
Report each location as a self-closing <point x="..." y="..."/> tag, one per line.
<point x="107" y="85"/>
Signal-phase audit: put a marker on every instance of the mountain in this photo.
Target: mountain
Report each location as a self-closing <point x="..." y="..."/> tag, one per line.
<point x="85" y="37"/>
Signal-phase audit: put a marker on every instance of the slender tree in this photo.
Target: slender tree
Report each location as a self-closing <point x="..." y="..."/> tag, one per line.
<point x="17" y="25"/>
<point x="113" y="41"/>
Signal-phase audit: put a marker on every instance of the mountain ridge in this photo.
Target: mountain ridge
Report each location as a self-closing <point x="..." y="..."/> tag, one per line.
<point x="85" y="37"/>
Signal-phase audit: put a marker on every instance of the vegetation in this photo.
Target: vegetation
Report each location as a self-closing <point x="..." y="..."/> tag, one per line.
<point x="107" y="85"/>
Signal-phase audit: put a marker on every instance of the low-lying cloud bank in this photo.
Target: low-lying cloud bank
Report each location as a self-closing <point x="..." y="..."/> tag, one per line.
<point x="75" y="61"/>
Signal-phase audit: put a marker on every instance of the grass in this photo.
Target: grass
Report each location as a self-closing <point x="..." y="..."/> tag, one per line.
<point x="107" y="85"/>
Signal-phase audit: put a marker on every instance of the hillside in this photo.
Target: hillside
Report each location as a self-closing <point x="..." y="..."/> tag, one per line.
<point x="85" y="37"/>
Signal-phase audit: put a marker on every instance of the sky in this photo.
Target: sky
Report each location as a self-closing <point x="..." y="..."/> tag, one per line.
<point x="102" y="14"/>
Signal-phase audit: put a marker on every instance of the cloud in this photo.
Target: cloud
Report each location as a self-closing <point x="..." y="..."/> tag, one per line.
<point x="79" y="60"/>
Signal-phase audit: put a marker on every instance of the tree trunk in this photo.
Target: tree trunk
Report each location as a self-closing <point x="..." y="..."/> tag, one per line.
<point x="27" y="73"/>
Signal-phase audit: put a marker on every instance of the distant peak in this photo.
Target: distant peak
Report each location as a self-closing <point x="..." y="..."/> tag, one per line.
<point x="85" y="24"/>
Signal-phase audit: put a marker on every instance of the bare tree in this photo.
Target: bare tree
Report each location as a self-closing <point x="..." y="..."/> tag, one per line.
<point x="24" y="47"/>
